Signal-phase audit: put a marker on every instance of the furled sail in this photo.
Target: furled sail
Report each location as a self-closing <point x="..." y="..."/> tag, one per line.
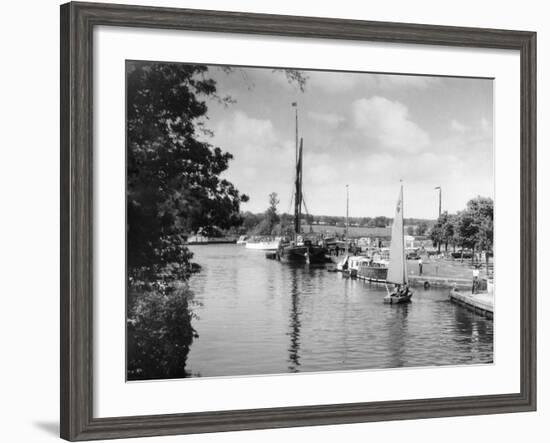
<point x="397" y="269"/>
<point x="298" y="197"/>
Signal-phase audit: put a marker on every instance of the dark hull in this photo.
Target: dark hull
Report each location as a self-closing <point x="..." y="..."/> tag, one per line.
<point x="303" y="254"/>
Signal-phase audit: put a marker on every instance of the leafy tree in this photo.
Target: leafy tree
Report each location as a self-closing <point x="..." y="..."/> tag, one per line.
<point x="466" y="230"/>
<point x="285" y="227"/>
<point x="436" y="235"/>
<point x="364" y="221"/>
<point x="174" y="187"/>
<point x="271" y="217"/>
<point x="443" y="231"/>
<point x="481" y="209"/>
<point x="381" y="221"/>
<point x="448" y="230"/>
<point x="250" y="221"/>
<point x="173" y="179"/>
<point x="422" y="228"/>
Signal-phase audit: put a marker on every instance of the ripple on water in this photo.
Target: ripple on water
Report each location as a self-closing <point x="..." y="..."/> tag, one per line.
<point x="259" y="316"/>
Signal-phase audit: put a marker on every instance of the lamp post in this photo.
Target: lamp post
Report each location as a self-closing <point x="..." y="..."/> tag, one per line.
<point x="439" y="188"/>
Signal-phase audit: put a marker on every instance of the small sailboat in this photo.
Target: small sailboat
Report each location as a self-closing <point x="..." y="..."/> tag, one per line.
<point x="397" y="268"/>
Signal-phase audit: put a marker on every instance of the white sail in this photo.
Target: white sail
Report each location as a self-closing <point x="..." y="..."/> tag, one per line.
<point x="397" y="268"/>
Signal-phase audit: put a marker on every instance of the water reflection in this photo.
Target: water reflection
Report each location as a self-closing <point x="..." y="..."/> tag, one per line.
<point x="294" y="357"/>
<point x="398" y="334"/>
<point x="259" y="316"/>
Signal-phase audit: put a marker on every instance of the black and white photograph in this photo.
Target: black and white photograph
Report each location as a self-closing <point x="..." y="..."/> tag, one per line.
<point x="229" y="221"/>
<point x="287" y="221"/>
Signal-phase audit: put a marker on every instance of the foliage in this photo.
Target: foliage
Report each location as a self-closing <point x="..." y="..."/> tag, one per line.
<point x="270" y="218"/>
<point x="173" y="179"/>
<point x="285" y="227"/>
<point x="174" y="188"/>
<point x="159" y="332"/>
<point x="482" y="209"/>
<point x="422" y="228"/>
<point x="443" y="230"/>
<point x="295" y="76"/>
<point x="471" y="228"/>
<point x="381" y="221"/>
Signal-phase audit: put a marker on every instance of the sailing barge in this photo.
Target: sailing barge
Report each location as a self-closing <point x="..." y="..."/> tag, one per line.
<point x="301" y="249"/>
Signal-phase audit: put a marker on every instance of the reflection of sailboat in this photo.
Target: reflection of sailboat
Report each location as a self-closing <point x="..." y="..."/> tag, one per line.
<point x="301" y="250"/>
<point x="397" y="268"/>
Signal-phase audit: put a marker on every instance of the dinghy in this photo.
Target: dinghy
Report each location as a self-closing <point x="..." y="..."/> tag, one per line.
<point x="397" y="268"/>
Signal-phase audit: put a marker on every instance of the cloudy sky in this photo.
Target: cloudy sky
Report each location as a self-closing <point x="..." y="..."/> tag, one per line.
<point x="365" y="130"/>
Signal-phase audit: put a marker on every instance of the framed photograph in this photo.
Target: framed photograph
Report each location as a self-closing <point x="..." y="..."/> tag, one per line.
<point x="272" y="221"/>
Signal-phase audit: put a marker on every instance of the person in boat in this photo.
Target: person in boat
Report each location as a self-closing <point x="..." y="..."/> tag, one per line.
<point x="401" y="290"/>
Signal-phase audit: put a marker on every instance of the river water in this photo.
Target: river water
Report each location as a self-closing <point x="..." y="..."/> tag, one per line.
<point x="259" y="316"/>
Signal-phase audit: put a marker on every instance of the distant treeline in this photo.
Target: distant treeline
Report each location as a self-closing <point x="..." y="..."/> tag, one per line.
<point x="255" y="224"/>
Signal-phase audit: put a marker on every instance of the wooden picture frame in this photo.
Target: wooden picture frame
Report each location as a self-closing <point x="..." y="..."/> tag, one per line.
<point x="77" y="23"/>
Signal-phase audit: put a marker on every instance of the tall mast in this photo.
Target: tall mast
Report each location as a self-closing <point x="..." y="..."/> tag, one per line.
<point x="404" y="256"/>
<point x="298" y="198"/>
<point x="295" y="105"/>
<point x="347" y="210"/>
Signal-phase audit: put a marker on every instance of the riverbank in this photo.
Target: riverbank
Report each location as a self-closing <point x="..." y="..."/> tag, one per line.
<point x="439" y="273"/>
<point x="481" y="303"/>
<point x="212" y="241"/>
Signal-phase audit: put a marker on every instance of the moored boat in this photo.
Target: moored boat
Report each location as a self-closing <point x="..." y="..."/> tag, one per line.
<point x="242" y="240"/>
<point x="304" y="251"/>
<point x="301" y="249"/>
<point x="372" y="270"/>
<point x="397" y="268"/>
<point x="265" y="244"/>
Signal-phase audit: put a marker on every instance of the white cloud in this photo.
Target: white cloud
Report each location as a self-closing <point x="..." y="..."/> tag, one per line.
<point x="360" y="130"/>
<point x="262" y="161"/>
<point x="340" y="82"/>
<point x="328" y="119"/>
<point x="458" y="127"/>
<point x="244" y="129"/>
<point x="389" y="124"/>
